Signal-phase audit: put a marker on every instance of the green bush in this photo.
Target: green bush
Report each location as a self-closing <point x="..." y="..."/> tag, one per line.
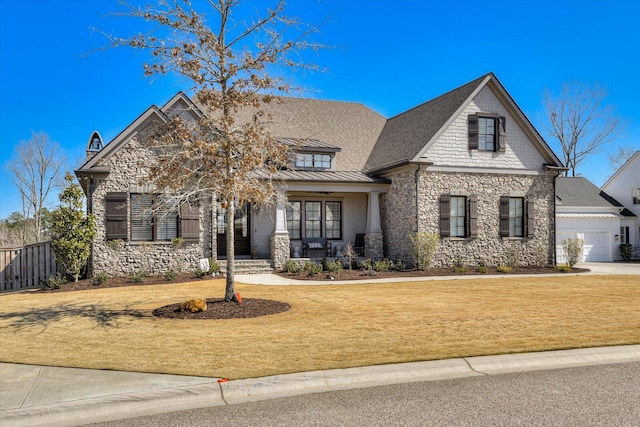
<point x="482" y="269"/>
<point x="200" y="274"/>
<point x="460" y="269"/>
<point x="399" y="265"/>
<point x="424" y="246"/>
<point x="54" y="282"/>
<point x="334" y="266"/>
<point x="504" y="269"/>
<point x="99" y="279"/>
<point x="214" y="267"/>
<point x="626" y="251"/>
<point x="170" y="275"/>
<point x="563" y="268"/>
<point x="383" y="265"/>
<point x="138" y="277"/>
<point x="312" y="268"/>
<point x="290" y="266"/>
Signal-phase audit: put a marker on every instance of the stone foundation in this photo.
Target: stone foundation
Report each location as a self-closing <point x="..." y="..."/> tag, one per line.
<point x="279" y="250"/>
<point x="373" y="246"/>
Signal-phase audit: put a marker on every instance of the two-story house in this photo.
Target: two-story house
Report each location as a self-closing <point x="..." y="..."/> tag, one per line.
<point x="467" y="165"/>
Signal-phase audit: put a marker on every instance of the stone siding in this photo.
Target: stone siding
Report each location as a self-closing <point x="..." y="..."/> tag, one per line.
<point x="121" y="258"/>
<point x="488" y="248"/>
<point x="398" y="216"/>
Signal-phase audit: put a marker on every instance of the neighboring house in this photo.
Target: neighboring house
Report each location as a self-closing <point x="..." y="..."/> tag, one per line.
<point x="624" y="186"/>
<point x="584" y="211"/>
<point x="467" y="165"/>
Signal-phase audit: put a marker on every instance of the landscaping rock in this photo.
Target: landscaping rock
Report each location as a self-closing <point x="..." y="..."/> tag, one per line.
<point x="194" y="305"/>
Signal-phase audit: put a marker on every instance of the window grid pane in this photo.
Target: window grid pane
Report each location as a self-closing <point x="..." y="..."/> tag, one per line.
<point x="333" y="220"/>
<point x="312" y="219"/>
<point x="486" y="134"/>
<point x="294" y="220"/>
<point x="141" y="217"/>
<point x="516" y="217"/>
<point x="457" y="216"/>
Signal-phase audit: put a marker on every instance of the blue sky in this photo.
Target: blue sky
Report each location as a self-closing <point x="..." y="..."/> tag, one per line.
<point x="387" y="54"/>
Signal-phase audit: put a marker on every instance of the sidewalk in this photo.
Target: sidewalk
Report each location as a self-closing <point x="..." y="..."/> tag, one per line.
<point x="38" y="395"/>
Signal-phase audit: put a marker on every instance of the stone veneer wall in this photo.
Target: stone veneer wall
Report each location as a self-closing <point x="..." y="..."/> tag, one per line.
<point x="122" y="258"/>
<point x="398" y="216"/>
<point x="488" y="248"/>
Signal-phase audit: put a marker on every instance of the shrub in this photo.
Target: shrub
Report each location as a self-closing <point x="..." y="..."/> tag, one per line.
<point x="626" y="251"/>
<point x="138" y="277"/>
<point x="367" y="266"/>
<point x="383" y="265"/>
<point x="290" y="266"/>
<point x="399" y="265"/>
<point x="482" y="269"/>
<point x="512" y="257"/>
<point x="312" y="268"/>
<point x="99" y="279"/>
<point x="563" y="268"/>
<point x="54" y="282"/>
<point x="200" y="274"/>
<point x="460" y="269"/>
<point x="214" y="267"/>
<point x="424" y="246"/>
<point x="572" y="249"/>
<point x="170" y="275"/>
<point x="334" y="266"/>
<point x="349" y="255"/>
<point x="504" y="269"/>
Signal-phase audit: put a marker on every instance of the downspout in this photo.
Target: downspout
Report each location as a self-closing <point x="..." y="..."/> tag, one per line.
<point x="417" y="181"/>
<point x="214" y="253"/>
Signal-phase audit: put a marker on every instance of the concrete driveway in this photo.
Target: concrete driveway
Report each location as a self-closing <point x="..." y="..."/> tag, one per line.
<point x="611" y="267"/>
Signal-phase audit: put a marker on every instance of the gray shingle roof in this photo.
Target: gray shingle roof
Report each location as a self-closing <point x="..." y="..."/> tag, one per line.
<point x="406" y="134"/>
<point x="579" y="191"/>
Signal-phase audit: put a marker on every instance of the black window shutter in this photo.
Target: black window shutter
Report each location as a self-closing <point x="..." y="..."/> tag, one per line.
<point x="445" y="214"/>
<point x="504" y="216"/>
<point x="473" y="216"/>
<point x="190" y="222"/>
<point x="116" y="216"/>
<point x="472" y="121"/>
<point x="502" y="133"/>
<point x="531" y="218"/>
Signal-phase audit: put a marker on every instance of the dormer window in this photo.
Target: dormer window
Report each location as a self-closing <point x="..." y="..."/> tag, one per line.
<point x="313" y="160"/>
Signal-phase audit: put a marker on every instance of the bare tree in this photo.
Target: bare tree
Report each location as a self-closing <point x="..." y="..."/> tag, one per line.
<point x="620" y="156"/>
<point x="227" y="151"/>
<point x="36" y="171"/>
<point x="580" y="121"/>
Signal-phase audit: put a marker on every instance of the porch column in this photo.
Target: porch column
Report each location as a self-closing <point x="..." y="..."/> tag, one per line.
<point x="373" y="246"/>
<point x="280" y="236"/>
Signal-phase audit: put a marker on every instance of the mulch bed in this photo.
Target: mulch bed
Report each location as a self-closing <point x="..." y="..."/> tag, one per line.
<point x="432" y="272"/>
<point x="219" y="309"/>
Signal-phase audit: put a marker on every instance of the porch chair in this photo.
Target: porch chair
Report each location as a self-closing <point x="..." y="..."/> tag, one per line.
<point x="358" y="247"/>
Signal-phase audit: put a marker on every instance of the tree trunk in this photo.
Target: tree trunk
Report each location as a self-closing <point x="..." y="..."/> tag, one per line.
<point x="230" y="292"/>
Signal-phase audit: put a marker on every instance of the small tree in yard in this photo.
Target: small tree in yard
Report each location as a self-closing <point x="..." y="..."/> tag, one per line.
<point x="572" y="249"/>
<point x="424" y="246"/>
<point x="227" y="150"/>
<point x="72" y="230"/>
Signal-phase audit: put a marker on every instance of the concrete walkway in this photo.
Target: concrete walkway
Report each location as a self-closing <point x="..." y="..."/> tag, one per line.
<point x="595" y="267"/>
<point x="39" y="395"/>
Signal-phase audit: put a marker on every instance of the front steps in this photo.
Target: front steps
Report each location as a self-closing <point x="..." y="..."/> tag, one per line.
<point x="248" y="266"/>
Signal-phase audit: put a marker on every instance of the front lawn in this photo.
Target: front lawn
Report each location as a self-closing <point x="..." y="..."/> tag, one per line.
<point x="327" y="326"/>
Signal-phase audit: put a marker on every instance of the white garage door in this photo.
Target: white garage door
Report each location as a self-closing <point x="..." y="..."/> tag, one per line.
<point x="596" y="246"/>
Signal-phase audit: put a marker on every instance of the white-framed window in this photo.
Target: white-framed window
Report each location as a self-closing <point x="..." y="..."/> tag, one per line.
<point x="457" y="216"/>
<point x="486" y="133"/>
<point x="635" y="194"/>
<point x="313" y="160"/>
<point x="516" y="216"/>
<point x="624" y="235"/>
<point x="152" y="218"/>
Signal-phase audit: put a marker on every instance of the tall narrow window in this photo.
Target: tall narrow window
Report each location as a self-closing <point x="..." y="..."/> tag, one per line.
<point x="141" y="217"/>
<point x="333" y="220"/>
<point x="486" y="133"/>
<point x="294" y="220"/>
<point x="457" y="216"/>
<point x="313" y="219"/>
<point x="516" y="216"/>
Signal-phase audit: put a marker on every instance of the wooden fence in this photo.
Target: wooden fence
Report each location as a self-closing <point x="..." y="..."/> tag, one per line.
<point x="25" y="267"/>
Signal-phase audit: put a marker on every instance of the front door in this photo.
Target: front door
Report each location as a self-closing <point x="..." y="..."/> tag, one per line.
<point x="242" y="227"/>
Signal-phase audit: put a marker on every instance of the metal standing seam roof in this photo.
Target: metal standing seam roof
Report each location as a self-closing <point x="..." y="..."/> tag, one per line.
<point x="326" y="176"/>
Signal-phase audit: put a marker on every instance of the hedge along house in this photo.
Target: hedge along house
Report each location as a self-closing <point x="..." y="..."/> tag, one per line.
<point x="467" y="165"/>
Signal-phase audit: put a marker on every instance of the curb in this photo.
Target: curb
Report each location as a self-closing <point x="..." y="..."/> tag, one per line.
<point x="130" y="405"/>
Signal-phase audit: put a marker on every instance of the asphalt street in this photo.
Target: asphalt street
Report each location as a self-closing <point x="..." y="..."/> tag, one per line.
<point x="603" y="395"/>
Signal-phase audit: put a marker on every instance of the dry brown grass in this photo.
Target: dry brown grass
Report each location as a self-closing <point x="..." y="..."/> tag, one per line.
<point x="327" y="326"/>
